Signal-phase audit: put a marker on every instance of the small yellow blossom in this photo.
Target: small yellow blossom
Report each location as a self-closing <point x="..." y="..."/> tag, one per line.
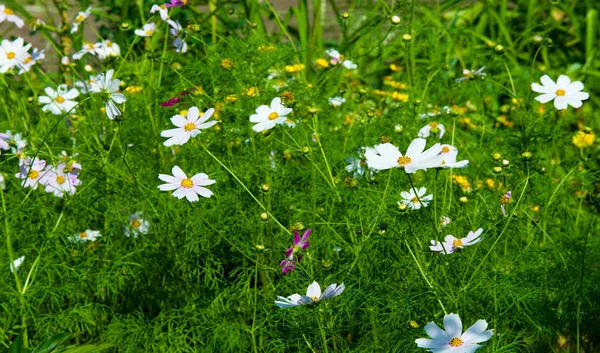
<point x="490" y="183"/>
<point x="266" y="48"/>
<point x="467" y="122"/>
<point x="227" y="63"/>
<point x="400" y="96"/>
<point x="321" y="62"/>
<point x="133" y="89"/>
<point x="231" y="98"/>
<point x="184" y="112"/>
<point x="463" y="182"/>
<point x="198" y="90"/>
<point x="294" y="68"/>
<point x="252" y="92"/>
<point x="584" y="139"/>
<point x="395" y="84"/>
<point x="395" y="67"/>
<point x="502" y="119"/>
<point x="380" y="92"/>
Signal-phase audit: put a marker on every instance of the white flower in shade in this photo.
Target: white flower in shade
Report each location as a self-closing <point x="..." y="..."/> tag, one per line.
<point x="15" y="141"/>
<point x="60" y="101"/>
<point x="387" y="156"/>
<point x="4" y="145"/>
<point x="267" y="117"/>
<point x="313" y="295"/>
<point x="87" y="48"/>
<point x="470" y="74"/>
<point x="186" y="187"/>
<point x="179" y="44"/>
<point x="137" y="225"/>
<point x="87" y="235"/>
<point x="188" y="126"/>
<point x="163" y="11"/>
<point x="31" y="59"/>
<point x="452" y="339"/>
<point x="32" y="172"/>
<point x="411" y="199"/>
<point x="60" y="181"/>
<point x="337" y="58"/>
<point x="146" y="31"/>
<point x="109" y="88"/>
<point x="563" y="92"/>
<point x="12" y="53"/>
<point x="81" y="16"/>
<point x="444" y="110"/>
<point x="16" y="264"/>
<point x="7" y="14"/>
<point x="107" y="48"/>
<point x="449" y="154"/>
<point x="452" y="244"/>
<point x="336" y="101"/>
<point x="445" y="221"/>
<point x="432" y="128"/>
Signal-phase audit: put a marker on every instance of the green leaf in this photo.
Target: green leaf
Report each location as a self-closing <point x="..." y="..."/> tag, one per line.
<point x="49" y="344"/>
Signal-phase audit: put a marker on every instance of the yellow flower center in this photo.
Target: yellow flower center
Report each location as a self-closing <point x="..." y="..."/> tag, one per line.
<point x="11" y="55"/>
<point x="60" y="99"/>
<point x="149" y="32"/>
<point x="189" y="126"/>
<point x="83" y="235"/>
<point x="90" y="46"/>
<point x="79" y="18"/>
<point x="404" y="160"/>
<point x="457" y="242"/>
<point x="560" y="92"/>
<point x="28" y="60"/>
<point x="273" y="116"/>
<point x="414" y="200"/>
<point x="341" y="57"/>
<point x="109" y="43"/>
<point x="163" y="6"/>
<point x="8" y="11"/>
<point x="33" y="174"/>
<point x="456" y="342"/>
<point x="60" y="180"/>
<point x="315" y="298"/>
<point x="433" y="125"/>
<point x="445" y="149"/>
<point x="135" y="223"/>
<point x="187" y="183"/>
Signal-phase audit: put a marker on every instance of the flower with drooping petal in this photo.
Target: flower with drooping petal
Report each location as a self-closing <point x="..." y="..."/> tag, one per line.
<point x="187" y="127"/>
<point x="137" y="225"/>
<point x="179" y="44"/>
<point x="313" y="295"/>
<point x="16" y="264"/>
<point x="87" y="235"/>
<point x="7" y="14"/>
<point x="267" y="117"/>
<point x="452" y="339"/>
<point x="337" y="58"/>
<point x="87" y="48"/>
<point x="162" y="10"/>
<point x="60" y="101"/>
<point x="109" y="88"/>
<point x="146" y="31"/>
<point x="81" y="16"/>
<point x="449" y="154"/>
<point x="563" y="92"/>
<point x="291" y="254"/>
<point x="387" y="156"/>
<point x="452" y="244"/>
<point x="32" y="172"/>
<point x="432" y="128"/>
<point x="186" y="187"/>
<point x="414" y="200"/>
<point x="470" y="74"/>
<point x="107" y="48"/>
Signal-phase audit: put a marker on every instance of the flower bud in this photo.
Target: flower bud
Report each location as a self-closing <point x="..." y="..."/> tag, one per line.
<point x="125" y="26"/>
<point x="497" y="170"/>
<point x="496" y="156"/>
<point x="526" y="156"/>
<point x="259" y="247"/>
<point x="407" y="38"/>
<point x="505" y="162"/>
<point x="264" y="216"/>
<point x="395" y="20"/>
<point x="402" y="207"/>
<point x="463" y="200"/>
<point x="265" y="188"/>
<point x="29" y="99"/>
<point x="499" y="49"/>
<point x="88" y="68"/>
<point x="345" y="15"/>
<point x="413" y="324"/>
<point x="305" y="149"/>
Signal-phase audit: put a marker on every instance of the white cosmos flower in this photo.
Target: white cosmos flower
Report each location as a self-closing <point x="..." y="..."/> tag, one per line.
<point x="452" y="339"/>
<point x="137" y="225"/>
<point x="59" y="181"/>
<point x="16" y="264"/>
<point x="187" y="127"/>
<point x="452" y="244"/>
<point x="411" y="199"/>
<point x="267" y="117"/>
<point x="32" y="171"/>
<point x="108" y="87"/>
<point x="469" y="74"/>
<point x="12" y="53"/>
<point x="563" y="92"/>
<point x="445" y="221"/>
<point x="81" y="16"/>
<point x="313" y="295"/>
<point x="179" y="44"/>
<point x="336" y="101"/>
<point x="87" y="48"/>
<point x="7" y="14"/>
<point x="146" y="31"/>
<point x="87" y="235"/>
<point x="432" y="128"/>
<point x="387" y="156"/>
<point x="60" y="101"/>
<point x="107" y="48"/>
<point x="337" y="58"/>
<point x="186" y="187"/>
<point x="449" y="154"/>
<point x="163" y="11"/>
<point x="30" y="59"/>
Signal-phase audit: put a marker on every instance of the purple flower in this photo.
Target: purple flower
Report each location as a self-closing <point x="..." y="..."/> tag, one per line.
<point x="291" y="257"/>
<point x="171" y="102"/>
<point x="505" y="200"/>
<point x="176" y="3"/>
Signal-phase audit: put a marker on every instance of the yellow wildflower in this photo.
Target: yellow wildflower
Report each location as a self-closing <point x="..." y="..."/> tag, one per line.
<point x="227" y="63"/>
<point x="584" y="139"/>
<point x="294" y="68"/>
<point x="133" y="89"/>
<point x="321" y="62"/>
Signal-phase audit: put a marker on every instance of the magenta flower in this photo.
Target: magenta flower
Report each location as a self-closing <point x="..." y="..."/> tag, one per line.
<point x="291" y="257"/>
<point x="176" y="3"/>
<point x="171" y="102"/>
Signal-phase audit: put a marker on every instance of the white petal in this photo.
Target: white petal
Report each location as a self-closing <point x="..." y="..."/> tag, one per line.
<point x="544" y="98"/>
<point x="574" y="87"/>
<point x="178" y="173"/>
<point x="477" y="333"/>
<point x="453" y="325"/>
<point x="416" y="147"/>
<point x="560" y="103"/>
<point x="314" y="290"/>
<point x="548" y="83"/>
<point x="563" y="81"/>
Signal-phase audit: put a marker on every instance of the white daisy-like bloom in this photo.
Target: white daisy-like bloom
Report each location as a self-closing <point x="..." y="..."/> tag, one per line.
<point x="267" y="117"/>
<point x="16" y="264"/>
<point x="411" y="199"/>
<point x="137" y="225"/>
<point x="7" y="14"/>
<point x="337" y="58"/>
<point x="109" y="88"/>
<point x="179" y="44"/>
<point x="452" y="243"/>
<point x="444" y="110"/>
<point x="563" y="92"/>
<point x="32" y="172"/>
<point x="452" y="339"/>
<point x="4" y="145"/>
<point x="107" y="48"/>
<point x="65" y="61"/>
<point x="81" y="16"/>
<point x="162" y="10"/>
<point x="85" y="236"/>
<point x="188" y="126"/>
<point x="186" y="187"/>
<point x="146" y="31"/>
<point x="16" y="141"/>
<point x="59" y="181"/>
<point x="449" y="154"/>
<point x="60" y="101"/>
<point x="387" y="156"/>
<point x="87" y="48"/>
<point x="85" y="86"/>
<point x="470" y="74"/>
<point x="432" y="128"/>
<point x="12" y="53"/>
<point x="31" y="59"/>
<point x="313" y="295"/>
<point x="336" y="101"/>
<point x="445" y="221"/>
